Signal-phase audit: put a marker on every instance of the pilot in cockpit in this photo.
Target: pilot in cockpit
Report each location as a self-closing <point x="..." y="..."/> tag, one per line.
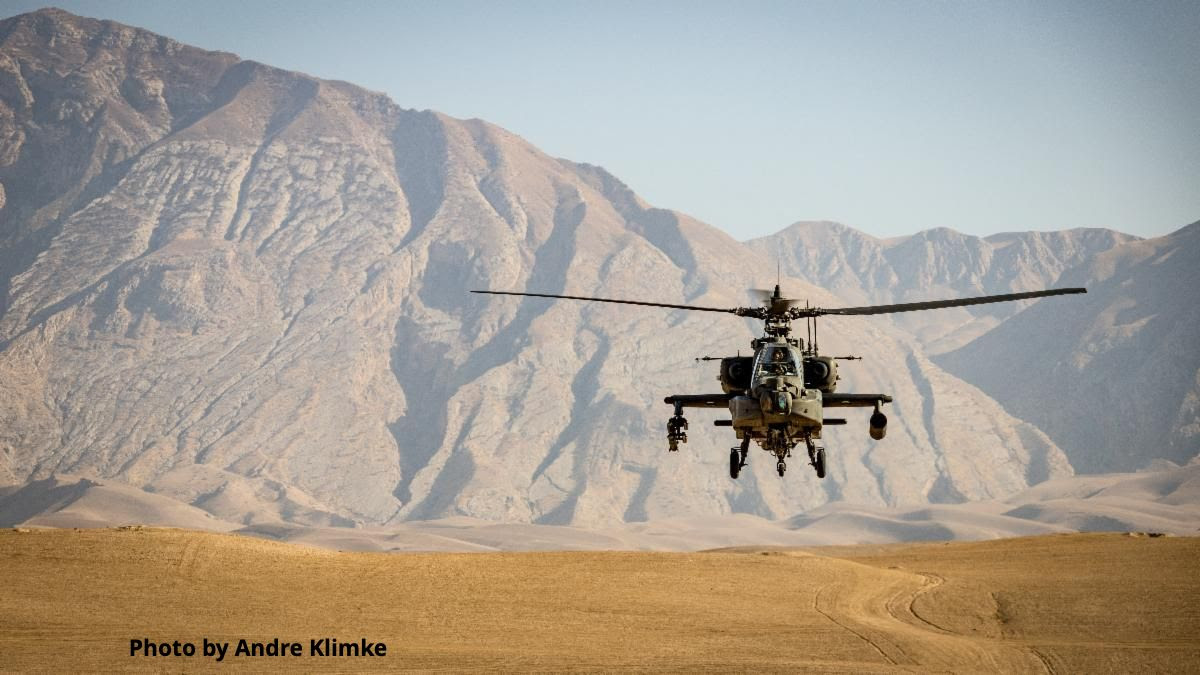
<point x="780" y="363"/>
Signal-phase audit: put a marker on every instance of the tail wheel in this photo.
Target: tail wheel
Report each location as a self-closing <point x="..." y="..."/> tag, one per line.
<point x="819" y="462"/>
<point x="735" y="463"/>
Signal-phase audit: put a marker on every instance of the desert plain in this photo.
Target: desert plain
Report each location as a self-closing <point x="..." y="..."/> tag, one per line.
<point x="73" y="599"/>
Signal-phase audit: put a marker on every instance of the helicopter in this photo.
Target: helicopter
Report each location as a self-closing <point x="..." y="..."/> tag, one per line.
<point x="777" y="397"/>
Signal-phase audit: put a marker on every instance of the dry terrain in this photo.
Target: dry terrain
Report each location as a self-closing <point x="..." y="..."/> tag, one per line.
<point x="73" y="599"/>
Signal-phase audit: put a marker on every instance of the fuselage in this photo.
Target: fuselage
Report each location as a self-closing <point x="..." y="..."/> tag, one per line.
<point x="777" y="394"/>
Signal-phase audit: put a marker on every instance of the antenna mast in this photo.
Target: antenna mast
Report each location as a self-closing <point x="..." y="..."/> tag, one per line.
<point x="809" y="325"/>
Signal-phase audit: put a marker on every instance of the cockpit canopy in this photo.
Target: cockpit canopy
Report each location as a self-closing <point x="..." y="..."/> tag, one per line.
<point x="776" y="359"/>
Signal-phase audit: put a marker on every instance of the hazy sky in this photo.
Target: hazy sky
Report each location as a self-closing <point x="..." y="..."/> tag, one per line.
<point x="888" y="116"/>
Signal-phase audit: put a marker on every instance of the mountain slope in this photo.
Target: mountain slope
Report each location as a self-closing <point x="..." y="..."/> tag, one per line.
<point x="1115" y="377"/>
<point x="252" y="296"/>
<point x="65" y="501"/>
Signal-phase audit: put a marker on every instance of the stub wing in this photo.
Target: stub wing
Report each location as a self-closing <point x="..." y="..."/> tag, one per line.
<point x="699" y="400"/>
<point x="854" y="400"/>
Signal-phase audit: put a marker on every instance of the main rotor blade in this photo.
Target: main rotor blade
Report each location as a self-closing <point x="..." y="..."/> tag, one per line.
<point x="761" y="294"/>
<point x="938" y="304"/>
<point x="620" y="302"/>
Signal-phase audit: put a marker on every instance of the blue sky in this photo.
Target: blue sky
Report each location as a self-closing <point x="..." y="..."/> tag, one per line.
<point x="891" y="117"/>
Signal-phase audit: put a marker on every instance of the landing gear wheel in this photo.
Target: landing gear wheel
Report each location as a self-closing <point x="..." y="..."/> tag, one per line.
<point x="819" y="462"/>
<point x="781" y="467"/>
<point x="735" y="463"/>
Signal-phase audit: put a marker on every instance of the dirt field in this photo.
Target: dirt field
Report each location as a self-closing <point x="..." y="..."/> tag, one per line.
<point x="74" y="599"/>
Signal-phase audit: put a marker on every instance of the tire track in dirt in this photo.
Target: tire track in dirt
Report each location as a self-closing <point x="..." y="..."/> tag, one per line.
<point x="903" y="607"/>
<point x="865" y="638"/>
<point x="877" y="605"/>
<point x="191" y="563"/>
<point x="906" y="611"/>
<point x="1046" y="662"/>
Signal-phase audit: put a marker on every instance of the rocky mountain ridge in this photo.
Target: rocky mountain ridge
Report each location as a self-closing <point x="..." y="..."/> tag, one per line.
<point x="934" y="264"/>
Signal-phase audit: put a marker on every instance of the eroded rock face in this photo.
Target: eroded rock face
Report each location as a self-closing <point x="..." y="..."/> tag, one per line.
<point x="1115" y="377"/>
<point x="933" y="265"/>
<point x="248" y="289"/>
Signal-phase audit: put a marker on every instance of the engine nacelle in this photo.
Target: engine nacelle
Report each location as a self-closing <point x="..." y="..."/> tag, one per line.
<point x="821" y="373"/>
<point x="735" y="373"/>
<point x="878" y="426"/>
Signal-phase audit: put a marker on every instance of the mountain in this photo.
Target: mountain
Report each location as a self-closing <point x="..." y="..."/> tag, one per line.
<point x="1114" y="379"/>
<point x="933" y="264"/>
<point x="246" y="289"/>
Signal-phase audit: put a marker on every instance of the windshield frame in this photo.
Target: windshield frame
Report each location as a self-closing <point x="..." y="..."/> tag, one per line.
<point x="764" y="361"/>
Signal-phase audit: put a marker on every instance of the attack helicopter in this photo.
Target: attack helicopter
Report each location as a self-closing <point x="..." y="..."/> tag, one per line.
<point x="777" y="397"/>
